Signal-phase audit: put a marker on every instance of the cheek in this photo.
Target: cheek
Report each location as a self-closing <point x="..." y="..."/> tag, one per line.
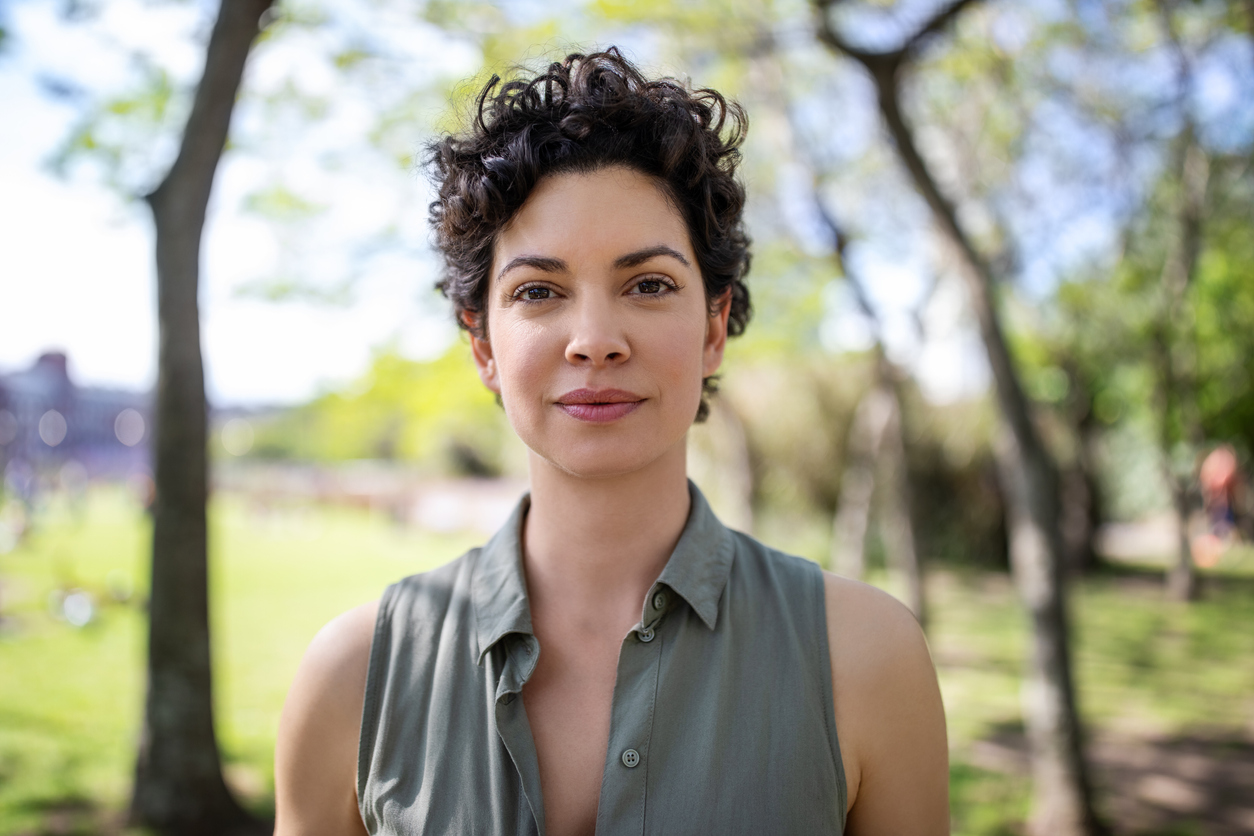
<point x="680" y="348"/>
<point x="522" y="355"/>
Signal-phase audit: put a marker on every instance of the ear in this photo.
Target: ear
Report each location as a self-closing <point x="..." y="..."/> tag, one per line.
<point x="716" y="333"/>
<point x="485" y="361"/>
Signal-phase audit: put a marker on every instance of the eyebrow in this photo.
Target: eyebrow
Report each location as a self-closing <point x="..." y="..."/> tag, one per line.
<point x="641" y="256"/>
<point x="539" y="262"/>
<point x="546" y="264"/>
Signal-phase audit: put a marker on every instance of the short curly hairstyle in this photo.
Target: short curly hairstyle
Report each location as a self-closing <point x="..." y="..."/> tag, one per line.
<point x="581" y="115"/>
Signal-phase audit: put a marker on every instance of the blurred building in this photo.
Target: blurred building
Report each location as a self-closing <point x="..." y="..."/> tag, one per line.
<point x="46" y="422"/>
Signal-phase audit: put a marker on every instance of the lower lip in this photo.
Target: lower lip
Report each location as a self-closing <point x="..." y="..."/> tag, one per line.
<point x="599" y="413"/>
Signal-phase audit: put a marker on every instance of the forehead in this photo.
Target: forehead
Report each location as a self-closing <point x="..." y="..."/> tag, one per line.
<point x="585" y="218"/>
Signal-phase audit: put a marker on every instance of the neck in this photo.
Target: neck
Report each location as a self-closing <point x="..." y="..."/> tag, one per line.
<point x="600" y="543"/>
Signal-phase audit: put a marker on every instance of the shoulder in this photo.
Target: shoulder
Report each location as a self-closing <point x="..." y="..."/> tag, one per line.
<point x="871" y="629"/>
<point x="316" y="750"/>
<point x="337" y="658"/>
<point x="761" y="567"/>
<point x="889" y="715"/>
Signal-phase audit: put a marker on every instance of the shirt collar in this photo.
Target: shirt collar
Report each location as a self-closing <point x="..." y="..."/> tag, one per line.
<point x="497" y="587"/>
<point x="701" y="561"/>
<point x="697" y="570"/>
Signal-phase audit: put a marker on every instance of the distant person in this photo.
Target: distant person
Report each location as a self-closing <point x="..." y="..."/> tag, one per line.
<point x="1220" y="480"/>
<point x="614" y="660"/>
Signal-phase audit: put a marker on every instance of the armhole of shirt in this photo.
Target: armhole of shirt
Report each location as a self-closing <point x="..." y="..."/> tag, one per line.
<point x="376" y="672"/>
<point x="829" y="702"/>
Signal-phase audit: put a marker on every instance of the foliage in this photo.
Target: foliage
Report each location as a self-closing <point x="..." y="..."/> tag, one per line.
<point x="436" y="414"/>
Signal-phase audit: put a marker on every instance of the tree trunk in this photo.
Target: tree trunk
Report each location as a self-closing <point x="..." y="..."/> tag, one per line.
<point x="875" y="474"/>
<point x="1082" y="507"/>
<point x="1175" y="385"/>
<point x="857" y="483"/>
<point x="1249" y="18"/>
<point x="896" y="517"/>
<point x="1062" y="794"/>
<point x="178" y="777"/>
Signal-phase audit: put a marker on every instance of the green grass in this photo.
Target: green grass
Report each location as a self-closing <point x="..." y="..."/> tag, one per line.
<point x="70" y="698"/>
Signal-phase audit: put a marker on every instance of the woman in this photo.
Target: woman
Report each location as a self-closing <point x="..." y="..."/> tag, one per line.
<point x="614" y="660"/>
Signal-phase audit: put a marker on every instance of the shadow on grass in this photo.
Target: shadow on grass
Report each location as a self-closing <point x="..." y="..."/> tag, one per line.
<point x="1187" y="785"/>
<point x="1152" y="579"/>
<point x="70" y="815"/>
<point x="75" y="815"/>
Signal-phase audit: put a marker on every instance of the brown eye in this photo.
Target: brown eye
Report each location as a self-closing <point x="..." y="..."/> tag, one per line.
<point x="536" y="294"/>
<point x="649" y="286"/>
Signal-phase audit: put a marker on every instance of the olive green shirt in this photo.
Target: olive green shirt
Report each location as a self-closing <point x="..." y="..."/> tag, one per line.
<point x="722" y="718"/>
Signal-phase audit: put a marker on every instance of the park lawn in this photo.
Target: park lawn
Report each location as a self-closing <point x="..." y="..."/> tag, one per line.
<point x="71" y="698"/>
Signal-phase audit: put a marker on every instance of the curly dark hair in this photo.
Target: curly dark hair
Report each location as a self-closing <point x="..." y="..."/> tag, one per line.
<point x="581" y="115"/>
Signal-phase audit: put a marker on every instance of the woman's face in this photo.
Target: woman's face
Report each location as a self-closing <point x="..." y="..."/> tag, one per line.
<point x="598" y="330"/>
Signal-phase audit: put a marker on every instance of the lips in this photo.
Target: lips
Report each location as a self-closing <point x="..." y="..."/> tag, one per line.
<point x="598" y="406"/>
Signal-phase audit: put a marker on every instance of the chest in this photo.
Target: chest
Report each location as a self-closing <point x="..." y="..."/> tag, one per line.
<point x="568" y="703"/>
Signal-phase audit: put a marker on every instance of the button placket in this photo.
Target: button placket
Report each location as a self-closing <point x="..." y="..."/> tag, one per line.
<point x="621" y="806"/>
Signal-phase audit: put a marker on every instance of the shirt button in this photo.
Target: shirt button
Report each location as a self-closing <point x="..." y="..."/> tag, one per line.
<point x="630" y="758"/>
<point x="659" y="601"/>
<point x="646" y="635"/>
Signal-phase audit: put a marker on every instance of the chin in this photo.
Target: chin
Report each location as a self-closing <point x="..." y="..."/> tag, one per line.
<point x="607" y="462"/>
<point x="606" y="457"/>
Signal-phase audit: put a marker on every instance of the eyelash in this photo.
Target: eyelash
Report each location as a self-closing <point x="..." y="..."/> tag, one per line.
<point x="659" y="280"/>
<point x="663" y="281"/>
<point x="520" y="293"/>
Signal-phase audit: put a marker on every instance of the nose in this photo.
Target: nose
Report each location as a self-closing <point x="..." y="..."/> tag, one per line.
<point x="598" y="337"/>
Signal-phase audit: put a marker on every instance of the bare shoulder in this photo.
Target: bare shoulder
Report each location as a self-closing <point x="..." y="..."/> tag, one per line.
<point x="859" y="614"/>
<point x="315" y="771"/>
<point x="889" y="716"/>
<point x="343" y="644"/>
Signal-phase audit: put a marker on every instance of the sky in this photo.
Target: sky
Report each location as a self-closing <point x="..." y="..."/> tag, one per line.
<point x="78" y="275"/>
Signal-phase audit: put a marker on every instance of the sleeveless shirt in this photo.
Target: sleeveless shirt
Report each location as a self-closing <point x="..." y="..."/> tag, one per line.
<point x="722" y="718"/>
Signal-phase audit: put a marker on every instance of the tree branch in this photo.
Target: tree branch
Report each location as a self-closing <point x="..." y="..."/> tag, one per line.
<point x="938" y="23"/>
<point x="885" y="63"/>
<point x="204" y="137"/>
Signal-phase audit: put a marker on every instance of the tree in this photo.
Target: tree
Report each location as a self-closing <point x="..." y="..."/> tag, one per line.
<point x="876" y="454"/>
<point x="1062" y="801"/>
<point x="178" y="777"/>
<point x="1176" y="405"/>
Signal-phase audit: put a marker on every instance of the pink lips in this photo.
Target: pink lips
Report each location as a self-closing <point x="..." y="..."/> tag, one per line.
<point x="598" y="406"/>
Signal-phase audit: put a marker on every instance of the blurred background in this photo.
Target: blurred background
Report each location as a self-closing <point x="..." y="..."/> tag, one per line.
<point x="1093" y="162"/>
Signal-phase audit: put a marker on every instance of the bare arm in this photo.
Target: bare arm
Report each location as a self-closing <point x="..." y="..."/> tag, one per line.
<point x="889" y="716"/>
<point x="315" y="760"/>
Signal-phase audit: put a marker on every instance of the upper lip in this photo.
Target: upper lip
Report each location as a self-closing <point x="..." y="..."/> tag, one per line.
<point x="599" y="396"/>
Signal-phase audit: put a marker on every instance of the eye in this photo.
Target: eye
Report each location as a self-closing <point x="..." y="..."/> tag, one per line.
<point x="653" y="286"/>
<point x="533" y="293"/>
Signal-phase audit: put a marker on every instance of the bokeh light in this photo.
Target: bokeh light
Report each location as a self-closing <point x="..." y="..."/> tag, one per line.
<point x="237" y="436"/>
<point x="52" y="428"/>
<point x="129" y="427"/>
